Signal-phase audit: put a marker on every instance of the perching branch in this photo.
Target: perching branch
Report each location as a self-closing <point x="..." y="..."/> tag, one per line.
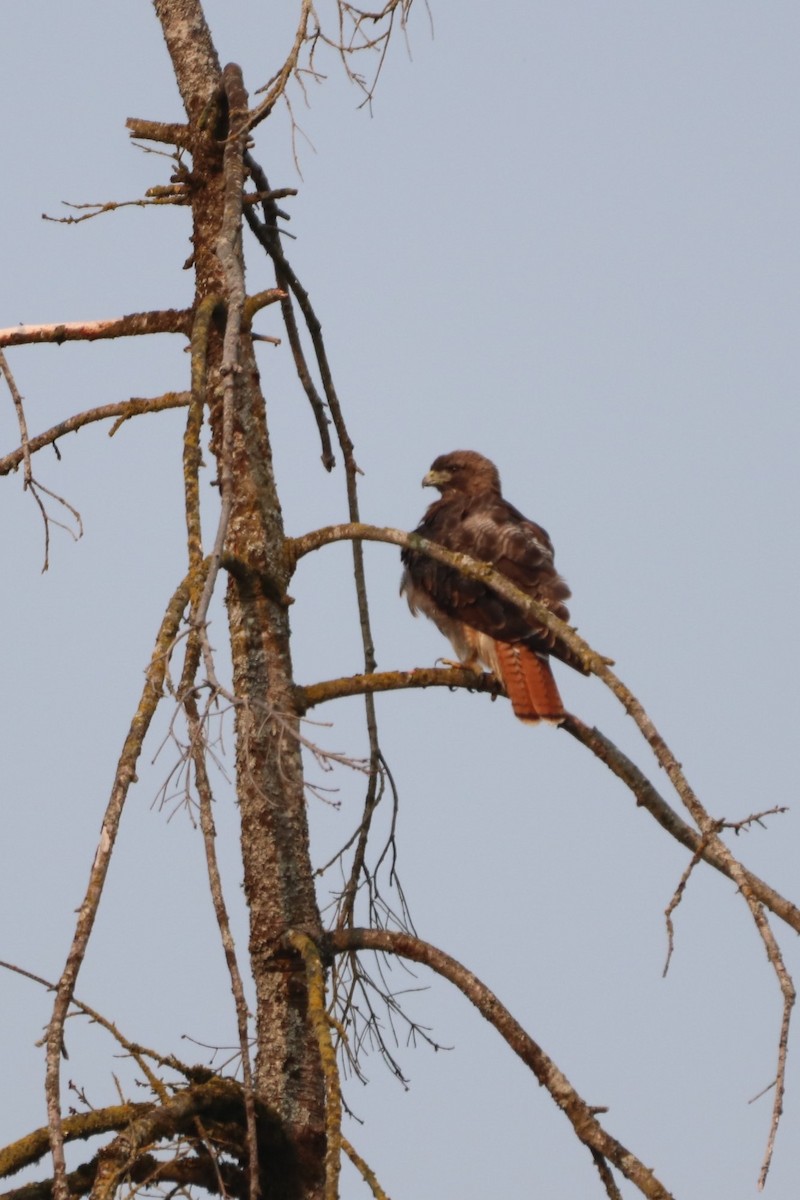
<point x="310" y="695"/>
<point x="599" y="666"/>
<point x="591" y="661"/>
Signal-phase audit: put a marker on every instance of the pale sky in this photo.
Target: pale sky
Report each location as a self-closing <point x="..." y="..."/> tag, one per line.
<point x="566" y="237"/>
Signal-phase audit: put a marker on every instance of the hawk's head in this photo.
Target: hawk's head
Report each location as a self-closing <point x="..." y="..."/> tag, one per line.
<point x="463" y="471"/>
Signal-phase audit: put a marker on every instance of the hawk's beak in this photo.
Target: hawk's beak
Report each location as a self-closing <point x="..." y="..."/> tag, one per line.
<point x="435" y="478"/>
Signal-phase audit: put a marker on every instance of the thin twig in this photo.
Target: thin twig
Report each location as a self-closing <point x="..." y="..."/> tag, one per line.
<point x="176" y="195"/>
<point x="132" y="1048"/>
<point x="268" y="235"/>
<point x="32" y="485"/>
<point x="277" y="86"/>
<point x="754" y="819"/>
<point x="604" y="1171"/>
<point x="677" y="896"/>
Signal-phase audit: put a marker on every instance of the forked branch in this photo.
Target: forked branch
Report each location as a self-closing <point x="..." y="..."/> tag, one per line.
<point x="121" y="411"/>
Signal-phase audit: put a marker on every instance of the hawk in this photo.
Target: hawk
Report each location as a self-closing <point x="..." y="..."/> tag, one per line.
<point x="471" y="517"/>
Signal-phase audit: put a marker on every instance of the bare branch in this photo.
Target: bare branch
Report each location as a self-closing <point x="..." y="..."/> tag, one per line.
<point x="310" y="695"/>
<point x="36" y="489"/>
<point x="268" y="235"/>
<point x="159" y="131"/>
<point x="277" y="85"/>
<point x="581" y="1115"/>
<point x="712" y="849"/>
<point x="366" y="1172"/>
<point x="604" y="1171"/>
<point x="789" y="996"/>
<point x="647" y="796"/>
<point x="19" y="409"/>
<point x="172" y="194"/>
<point x="135" y="325"/>
<point x="677" y="896"/>
<point x="598" y="665"/>
<point x="29" y="1149"/>
<point x="122" y="410"/>
<point x="591" y="661"/>
<point x="125" y="775"/>
<point x="136" y="1052"/>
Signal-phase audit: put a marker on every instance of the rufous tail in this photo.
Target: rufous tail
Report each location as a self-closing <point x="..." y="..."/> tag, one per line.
<point x="529" y="684"/>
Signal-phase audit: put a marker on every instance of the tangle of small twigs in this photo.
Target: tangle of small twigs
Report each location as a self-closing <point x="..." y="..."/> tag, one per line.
<point x="32" y="485"/>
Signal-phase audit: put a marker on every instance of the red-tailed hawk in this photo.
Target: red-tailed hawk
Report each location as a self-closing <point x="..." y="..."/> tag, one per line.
<point x="472" y="517"/>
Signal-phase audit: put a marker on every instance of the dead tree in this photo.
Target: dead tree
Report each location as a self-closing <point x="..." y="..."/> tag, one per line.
<point x="275" y="1128"/>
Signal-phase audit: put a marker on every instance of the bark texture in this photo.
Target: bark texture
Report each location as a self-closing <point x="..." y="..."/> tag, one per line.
<point x="277" y="870"/>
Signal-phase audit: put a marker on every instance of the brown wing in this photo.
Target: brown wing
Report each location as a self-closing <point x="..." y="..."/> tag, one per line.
<point x="492" y="530"/>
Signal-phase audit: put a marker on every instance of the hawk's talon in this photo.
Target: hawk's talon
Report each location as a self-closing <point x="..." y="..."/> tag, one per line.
<point x="456" y="665"/>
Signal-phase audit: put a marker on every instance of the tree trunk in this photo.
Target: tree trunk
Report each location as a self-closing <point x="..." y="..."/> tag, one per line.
<point x="277" y="869"/>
